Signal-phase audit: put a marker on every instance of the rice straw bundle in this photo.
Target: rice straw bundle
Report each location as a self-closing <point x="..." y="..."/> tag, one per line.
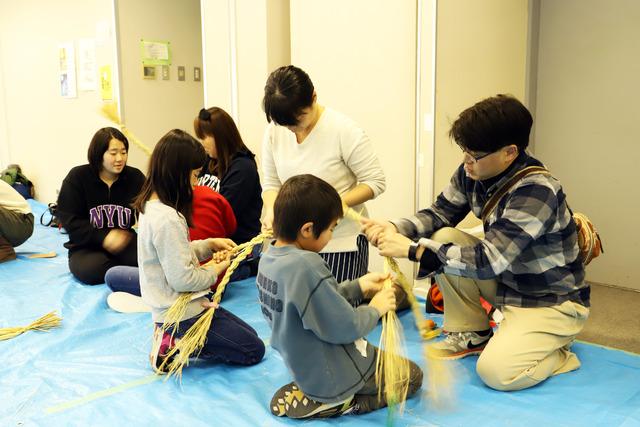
<point x="392" y="368"/>
<point x="425" y="326"/>
<point x="46" y="322"/>
<point x="192" y="342"/>
<point x="110" y="111"/>
<point x="441" y="379"/>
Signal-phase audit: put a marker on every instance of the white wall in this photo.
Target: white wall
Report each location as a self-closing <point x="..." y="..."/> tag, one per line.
<point x="241" y="49"/>
<point x="43" y="132"/>
<point x="150" y="108"/>
<point x="587" y="121"/>
<point x="363" y="65"/>
<point x="481" y="51"/>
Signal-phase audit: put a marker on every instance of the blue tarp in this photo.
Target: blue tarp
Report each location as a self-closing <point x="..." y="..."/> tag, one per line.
<point x="94" y="370"/>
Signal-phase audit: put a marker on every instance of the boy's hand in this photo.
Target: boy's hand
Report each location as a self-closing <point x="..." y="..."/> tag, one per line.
<point x="394" y="244"/>
<point x="373" y="228"/>
<point x="371" y="284"/>
<point x="220" y="244"/>
<point x="384" y="301"/>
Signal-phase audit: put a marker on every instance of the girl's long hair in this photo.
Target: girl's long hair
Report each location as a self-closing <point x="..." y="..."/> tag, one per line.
<point x="217" y="123"/>
<point x="173" y="159"/>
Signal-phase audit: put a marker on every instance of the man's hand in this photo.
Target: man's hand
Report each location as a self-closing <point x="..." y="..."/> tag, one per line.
<point x="373" y="228"/>
<point x="116" y="240"/>
<point x="394" y="244"/>
<point x="371" y="284"/>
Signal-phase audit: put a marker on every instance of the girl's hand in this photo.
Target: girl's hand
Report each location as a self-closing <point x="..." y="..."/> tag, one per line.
<point x="221" y="256"/>
<point x="394" y="245"/>
<point x="220" y="244"/>
<point x="209" y="304"/>
<point x="116" y="240"/>
<point x="371" y="284"/>
<point x="373" y="228"/>
<point x="220" y="267"/>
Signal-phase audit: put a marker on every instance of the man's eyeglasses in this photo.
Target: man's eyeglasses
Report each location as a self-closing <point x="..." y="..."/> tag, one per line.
<point x="476" y="157"/>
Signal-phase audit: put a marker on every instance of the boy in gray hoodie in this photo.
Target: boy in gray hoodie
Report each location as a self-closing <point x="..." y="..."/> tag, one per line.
<point x="315" y="326"/>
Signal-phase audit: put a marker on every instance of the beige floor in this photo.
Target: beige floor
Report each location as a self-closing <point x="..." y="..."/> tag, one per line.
<point x="614" y="320"/>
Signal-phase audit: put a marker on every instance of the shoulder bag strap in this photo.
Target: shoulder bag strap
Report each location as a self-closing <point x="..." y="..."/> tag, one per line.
<point x="493" y="200"/>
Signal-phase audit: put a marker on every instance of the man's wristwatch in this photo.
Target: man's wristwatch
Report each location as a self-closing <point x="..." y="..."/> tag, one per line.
<point x="413" y="248"/>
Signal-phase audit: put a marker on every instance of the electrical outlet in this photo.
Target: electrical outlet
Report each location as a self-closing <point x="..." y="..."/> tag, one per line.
<point x="165" y="72"/>
<point x="181" y="73"/>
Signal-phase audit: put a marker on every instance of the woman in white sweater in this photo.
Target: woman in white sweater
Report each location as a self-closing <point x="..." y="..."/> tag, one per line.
<point x="306" y="137"/>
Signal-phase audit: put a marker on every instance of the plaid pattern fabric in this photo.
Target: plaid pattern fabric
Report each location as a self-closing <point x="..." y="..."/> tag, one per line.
<point x="530" y="245"/>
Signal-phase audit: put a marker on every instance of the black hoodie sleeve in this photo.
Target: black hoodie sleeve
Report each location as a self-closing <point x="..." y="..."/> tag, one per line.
<point x="239" y="183"/>
<point x="73" y="213"/>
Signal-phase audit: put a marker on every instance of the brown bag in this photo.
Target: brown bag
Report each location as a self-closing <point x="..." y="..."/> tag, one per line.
<point x="589" y="241"/>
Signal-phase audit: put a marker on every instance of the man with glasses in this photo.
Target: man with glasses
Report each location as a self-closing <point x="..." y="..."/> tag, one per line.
<point x="527" y="264"/>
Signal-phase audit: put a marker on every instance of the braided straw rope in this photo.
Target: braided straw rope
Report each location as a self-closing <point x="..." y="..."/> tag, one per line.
<point x="44" y="323"/>
<point x="193" y="340"/>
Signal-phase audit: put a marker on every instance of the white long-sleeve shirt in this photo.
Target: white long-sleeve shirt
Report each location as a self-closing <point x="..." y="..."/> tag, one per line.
<point x="169" y="263"/>
<point x="12" y="200"/>
<point x="337" y="151"/>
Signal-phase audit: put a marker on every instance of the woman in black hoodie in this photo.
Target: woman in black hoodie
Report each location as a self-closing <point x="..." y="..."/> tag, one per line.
<point x="230" y="170"/>
<point x="94" y="207"/>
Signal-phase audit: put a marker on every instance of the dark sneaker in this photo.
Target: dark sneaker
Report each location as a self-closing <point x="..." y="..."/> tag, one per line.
<point x="160" y="347"/>
<point x="457" y="345"/>
<point x="290" y="401"/>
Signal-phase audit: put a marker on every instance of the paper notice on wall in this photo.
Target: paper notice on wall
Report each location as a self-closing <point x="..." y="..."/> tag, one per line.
<point x="155" y="52"/>
<point x="67" y="67"/>
<point x="87" y="72"/>
<point x="106" y="88"/>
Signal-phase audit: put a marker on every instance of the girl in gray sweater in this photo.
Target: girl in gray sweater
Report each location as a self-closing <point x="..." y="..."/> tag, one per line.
<point x="170" y="264"/>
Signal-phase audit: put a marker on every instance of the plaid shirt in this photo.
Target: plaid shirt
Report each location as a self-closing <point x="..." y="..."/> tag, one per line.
<point x="530" y="245"/>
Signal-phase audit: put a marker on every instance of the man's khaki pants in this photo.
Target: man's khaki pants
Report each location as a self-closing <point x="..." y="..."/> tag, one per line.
<point x="530" y="345"/>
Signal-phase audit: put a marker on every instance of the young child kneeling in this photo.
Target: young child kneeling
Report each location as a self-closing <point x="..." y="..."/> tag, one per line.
<point x="315" y="327"/>
<point x="170" y="263"/>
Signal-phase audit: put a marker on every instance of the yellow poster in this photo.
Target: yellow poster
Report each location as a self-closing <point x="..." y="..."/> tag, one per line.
<point x="106" y="89"/>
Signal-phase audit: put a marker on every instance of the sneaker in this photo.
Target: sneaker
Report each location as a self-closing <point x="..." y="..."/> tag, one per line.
<point x="457" y="345"/>
<point x="160" y="347"/>
<point x="291" y="402"/>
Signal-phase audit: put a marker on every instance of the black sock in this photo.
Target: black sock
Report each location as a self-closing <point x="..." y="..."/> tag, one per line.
<point x="484" y="333"/>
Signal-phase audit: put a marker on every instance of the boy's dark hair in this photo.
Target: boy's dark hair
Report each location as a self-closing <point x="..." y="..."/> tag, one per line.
<point x="493" y="123"/>
<point x="173" y="159"/>
<point x="302" y="199"/>
<point x="100" y="144"/>
<point x="217" y="123"/>
<point x="287" y="92"/>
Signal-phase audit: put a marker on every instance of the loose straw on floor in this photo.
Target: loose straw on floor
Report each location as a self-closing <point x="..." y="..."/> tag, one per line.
<point x="46" y="322"/>
<point x="192" y="342"/>
<point x="392" y="367"/>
